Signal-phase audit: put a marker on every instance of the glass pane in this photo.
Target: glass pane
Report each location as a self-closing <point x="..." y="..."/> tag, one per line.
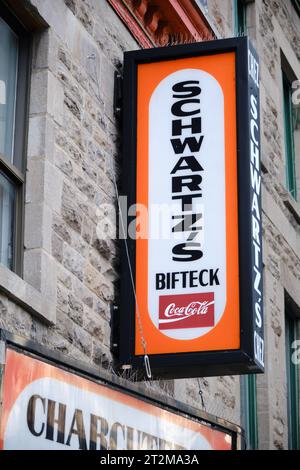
<point x="296" y="131"/>
<point x="8" y="80"/>
<point x="253" y="431"/>
<point x="297" y="365"/>
<point x="292" y="382"/>
<point x="7" y="221"/>
<point x="289" y="128"/>
<point x="249" y="410"/>
<point x="240" y="18"/>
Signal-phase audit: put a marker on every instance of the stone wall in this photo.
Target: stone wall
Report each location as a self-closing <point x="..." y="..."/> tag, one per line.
<point x="72" y="156"/>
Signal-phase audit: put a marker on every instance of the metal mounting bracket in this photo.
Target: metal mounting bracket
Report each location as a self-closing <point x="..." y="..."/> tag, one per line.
<point x="114" y="325"/>
<point x="118" y="95"/>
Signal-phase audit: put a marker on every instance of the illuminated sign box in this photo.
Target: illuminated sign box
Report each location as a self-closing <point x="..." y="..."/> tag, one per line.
<point x="191" y="151"/>
<point x="45" y="407"/>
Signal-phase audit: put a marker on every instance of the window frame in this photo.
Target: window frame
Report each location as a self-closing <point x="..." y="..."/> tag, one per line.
<point x="292" y="375"/>
<point x="249" y="407"/>
<point x="16" y="171"/>
<point x="296" y="5"/>
<point x="290" y="157"/>
<point x="240" y="16"/>
<point x="289" y="143"/>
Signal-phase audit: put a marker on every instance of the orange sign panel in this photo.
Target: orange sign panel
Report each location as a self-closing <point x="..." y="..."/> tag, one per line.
<point x="215" y="76"/>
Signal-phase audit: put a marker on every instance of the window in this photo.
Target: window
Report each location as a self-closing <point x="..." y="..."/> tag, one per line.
<point x="13" y="87"/>
<point x="249" y="407"/>
<point x="296" y="4"/>
<point x="291" y="134"/>
<point x="240" y="17"/>
<point x="291" y="335"/>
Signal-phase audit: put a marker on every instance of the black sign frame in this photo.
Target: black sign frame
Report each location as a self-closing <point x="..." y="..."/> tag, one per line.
<point x="212" y="363"/>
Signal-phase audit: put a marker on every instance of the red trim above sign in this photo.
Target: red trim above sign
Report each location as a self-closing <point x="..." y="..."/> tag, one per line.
<point x="136" y="29"/>
<point x="153" y="22"/>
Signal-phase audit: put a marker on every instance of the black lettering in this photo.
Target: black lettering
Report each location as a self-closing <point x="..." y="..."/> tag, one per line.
<point x="201" y="280"/>
<point x="175" y="279"/>
<point x="213" y="277"/>
<point x="193" y="279"/>
<point x="184" y="278"/>
<point x="129" y="437"/>
<point x="164" y="445"/>
<point x="168" y="281"/>
<point x="187" y="201"/>
<point x="191" y="182"/>
<point x="193" y="144"/>
<point x="77" y="428"/>
<point x="139" y="443"/>
<point x="204" y="277"/>
<point x="114" y="435"/>
<point x="160" y="281"/>
<point x="192" y="164"/>
<point x="184" y="87"/>
<point x="151" y="441"/>
<point x="95" y="433"/>
<point x="60" y="421"/>
<point x="195" y="126"/>
<point x="31" y="410"/>
<point x="186" y="223"/>
<point x="186" y="252"/>
<point x="178" y="111"/>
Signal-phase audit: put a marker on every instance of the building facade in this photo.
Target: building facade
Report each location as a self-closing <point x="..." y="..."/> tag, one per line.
<point x="60" y="155"/>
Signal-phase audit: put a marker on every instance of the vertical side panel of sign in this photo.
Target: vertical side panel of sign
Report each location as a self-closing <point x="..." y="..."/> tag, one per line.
<point x="256" y="212"/>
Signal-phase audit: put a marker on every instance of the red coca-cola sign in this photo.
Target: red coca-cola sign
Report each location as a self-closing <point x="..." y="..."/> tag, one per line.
<point x="186" y="311"/>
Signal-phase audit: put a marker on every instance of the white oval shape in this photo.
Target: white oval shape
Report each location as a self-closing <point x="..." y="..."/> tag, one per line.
<point x="162" y="160"/>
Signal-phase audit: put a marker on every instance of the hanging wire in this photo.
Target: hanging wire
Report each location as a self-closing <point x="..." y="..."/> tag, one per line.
<point x="201" y="395"/>
<point x="140" y="326"/>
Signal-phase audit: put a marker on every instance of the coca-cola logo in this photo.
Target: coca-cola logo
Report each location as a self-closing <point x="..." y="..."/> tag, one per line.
<point x="186" y="311"/>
